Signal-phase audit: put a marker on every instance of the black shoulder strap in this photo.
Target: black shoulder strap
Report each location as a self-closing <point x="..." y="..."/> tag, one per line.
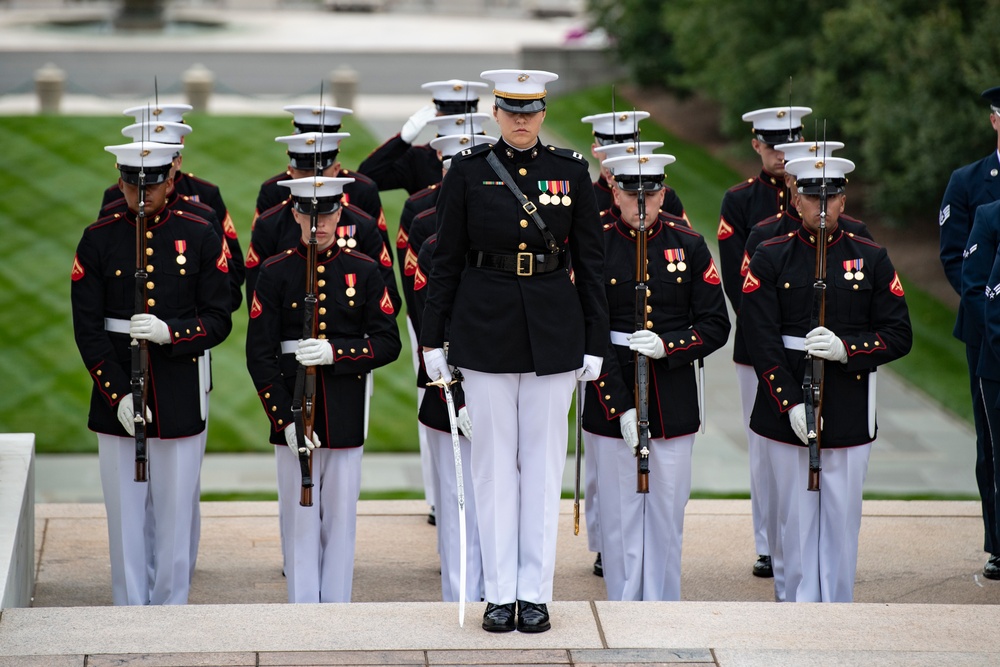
<point x="528" y="206"/>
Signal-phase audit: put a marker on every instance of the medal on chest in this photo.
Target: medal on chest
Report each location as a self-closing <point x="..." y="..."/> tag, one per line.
<point x="852" y="269"/>
<point x="345" y="236"/>
<point x="181" y="247"/>
<point x="675" y="259"/>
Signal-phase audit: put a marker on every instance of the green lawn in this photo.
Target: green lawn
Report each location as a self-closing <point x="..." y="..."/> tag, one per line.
<point x="54" y="170"/>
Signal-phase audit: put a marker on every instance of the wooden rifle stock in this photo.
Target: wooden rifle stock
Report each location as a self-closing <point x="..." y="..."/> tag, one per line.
<point x="304" y="399"/>
<point x="812" y="382"/>
<point x="641" y="360"/>
<point x="140" y="347"/>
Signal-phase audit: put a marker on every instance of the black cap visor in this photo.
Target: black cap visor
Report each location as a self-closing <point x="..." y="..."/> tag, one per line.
<point x="814" y="186"/>
<point x="307" y="161"/>
<point x="324" y="205"/>
<point x="301" y="128"/>
<point x="634" y="182"/>
<point x="520" y="106"/>
<point x="154" y="175"/>
<point x="773" y="137"/>
<point x="611" y="139"/>
<point x="453" y="107"/>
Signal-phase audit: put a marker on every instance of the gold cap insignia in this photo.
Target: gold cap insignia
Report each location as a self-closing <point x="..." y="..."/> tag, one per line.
<point x="522" y="78"/>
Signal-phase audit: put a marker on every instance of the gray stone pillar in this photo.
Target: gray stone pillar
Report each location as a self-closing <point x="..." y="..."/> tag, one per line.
<point x="198" y="83"/>
<point x="344" y="84"/>
<point x="49" y="84"/>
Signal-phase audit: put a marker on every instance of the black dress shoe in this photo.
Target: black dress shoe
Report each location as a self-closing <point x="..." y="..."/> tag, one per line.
<point x="599" y="566"/>
<point x="532" y="617"/>
<point x="431" y="518"/>
<point x="499" y="617"/>
<point x="762" y="568"/>
<point x="992" y="568"/>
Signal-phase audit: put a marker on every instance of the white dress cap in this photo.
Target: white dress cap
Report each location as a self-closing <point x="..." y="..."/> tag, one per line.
<point x="811" y="149"/>
<point x="452" y="144"/>
<point x="317" y="118"/>
<point x="144" y="154"/>
<point x="163" y="133"/>
<point x="455" y="90"/>
<point x="777" y="125"/>
<point x="639" y="172"/>
<point x="322" y="186"/>
<point x="811" y="173"/>
<point x="630" y="148"/>
<point x="166" y="113"/>
<point x="616" y="123"/>
<point x="463" y="123"/>
<point x="313" y="142"/>
<point x="519" y="90"/>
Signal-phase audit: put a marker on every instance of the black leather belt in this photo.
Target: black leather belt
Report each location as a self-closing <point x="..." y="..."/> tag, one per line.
<point x="522" y="263"/>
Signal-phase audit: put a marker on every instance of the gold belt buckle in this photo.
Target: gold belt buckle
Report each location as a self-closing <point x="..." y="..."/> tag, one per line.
<point x="522" y="258"/>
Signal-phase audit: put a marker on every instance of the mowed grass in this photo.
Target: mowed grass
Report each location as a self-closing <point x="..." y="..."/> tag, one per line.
<point x="54" y="170"/>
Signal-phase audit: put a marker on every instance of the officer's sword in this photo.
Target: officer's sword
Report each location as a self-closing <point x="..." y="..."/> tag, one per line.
<point x="460" y="483"/>
<point x="579" y="446"/>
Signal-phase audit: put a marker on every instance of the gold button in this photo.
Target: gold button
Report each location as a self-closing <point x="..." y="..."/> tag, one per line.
<point x="322" y="326"/>
<point x="320" y="269"/>
<point x="784" y="403"/>
<point x="682" y="341"/>
<point x="524" y="224"/>
<point x="322" y="297"/>
<point x="114" y="397"/>
<point x="183" y="272"/>
<point x="321" y="283"/>
<point x="693" y="337"/>
<point x="770" y="377"/>
<point x="267" y="395"/>
<point x="118" y="272"/>
<point x="781" y="195"/>
<point x="322" y="336"/>
<point x="778" y="390"/>
<point x="322" y="311"/>
<point x="678" y="279"/>
<point x="353" y="350"/>
<point x="177" y="334"/>
<point x="197" y="328"/>
<point x="612" y="411"/>
<point x="99" y="372"/>
<point x="522" y="171"/>
<point x="149" y="268"/>
<point x="649" y="325"/>
<point x="854" y="347"/>
<point x="649" y="308"/>
<point x="340" y="351"/>
<point x="350" y="303"/>
<point x="151" y="302"/>
<point x="787" y="285"/>
<point x="187" y="331"/>
<point x="274" y="408"/>
<point x="295" y="305"/>
<point x="670" y="345"/>
<point x="107" y="384"/>
<point x="601" y="384"/>
<point x="866" y="344"/>
<point x="150" y="285"/>
<point x="522" y="246"/>
<point x="280" y="422"/>
<point x="877" y="343"/>
<point x="855" y="286"/>
<point x="648" y="293"/>
<point x="614" y="281"/>
<point x="365" y="350"/>
<point x="859" y="376"/>
<point x="149" y="251"/>
<point x="149" y="235"/>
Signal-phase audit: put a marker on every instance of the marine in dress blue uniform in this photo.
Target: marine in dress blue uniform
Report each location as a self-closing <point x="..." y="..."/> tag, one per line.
<point x="521" y="331"/>
<point x="685" y="321"/>
<point x="398" y="163"/>
<point x="187" y="311"/>
<point x="744" y="205"/>
<point x="866" y="325"/>
<point x="357" y="333"/>
<point x="970" y="187"/>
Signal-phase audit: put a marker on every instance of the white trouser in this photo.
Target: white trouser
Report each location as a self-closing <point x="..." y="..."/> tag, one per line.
<point x="590" y="497"/>
<point x="426" y="464"/>
<point x="643" y="531"/>
<point x="818" y="530"/>
<point x="520" y="427"/>
<point x="449" y="544"/>
<point x="760" y="471"/>
<point x="319" y="540"/>
<point x="149" y="523"/>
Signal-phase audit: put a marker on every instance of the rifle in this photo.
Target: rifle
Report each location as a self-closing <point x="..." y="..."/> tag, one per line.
<point x="641" y="361"/>
<point x="140" y="348"/>
<point x="812" y="381"/>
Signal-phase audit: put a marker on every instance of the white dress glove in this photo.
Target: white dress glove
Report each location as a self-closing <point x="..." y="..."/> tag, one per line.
<point x="465" y="422"/>
<point x="630" y="428"/>
<point x="415" y="123"/>
<point x="126" y="414"/>
<point x="291" y="437"/>
<point x="797" y="416"/>
<point x="591" y="368"/>
<point x="648" y="343"/>
<point x="144" y="326"/>
<point x="824" y="344"/>
<point x="314" y="352"/>
<point x="437" y="365"/>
